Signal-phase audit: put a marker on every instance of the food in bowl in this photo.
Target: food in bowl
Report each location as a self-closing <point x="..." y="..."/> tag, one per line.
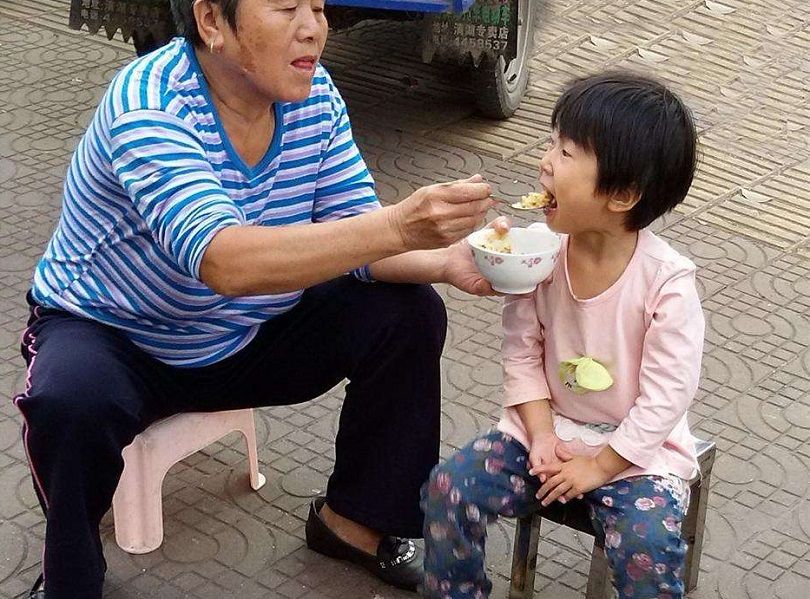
<point x="530" y="261"/>
<point x="497" y="242"/>
<point x="533" y="200"/>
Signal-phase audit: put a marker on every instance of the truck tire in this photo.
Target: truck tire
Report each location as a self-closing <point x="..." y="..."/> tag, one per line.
<point x="499" y="83"/>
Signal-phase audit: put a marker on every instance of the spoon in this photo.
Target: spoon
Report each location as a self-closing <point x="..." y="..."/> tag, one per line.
<point x="517" y="205"/>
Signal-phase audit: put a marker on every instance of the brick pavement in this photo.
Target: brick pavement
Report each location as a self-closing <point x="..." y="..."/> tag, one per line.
<point x="742" y="64"/>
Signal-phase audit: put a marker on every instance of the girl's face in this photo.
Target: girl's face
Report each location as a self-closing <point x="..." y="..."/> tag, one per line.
<point x="568" y="172"/>
<point x="277" y="45"/>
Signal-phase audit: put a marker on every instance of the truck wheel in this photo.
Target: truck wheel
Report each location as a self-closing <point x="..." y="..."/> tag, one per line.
<point x="499" y="83"/>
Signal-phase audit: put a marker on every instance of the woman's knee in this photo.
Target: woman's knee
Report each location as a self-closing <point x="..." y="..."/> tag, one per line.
<point x="68" y="407"/>
<point x="73" y="393"/>
<point x="417" y="309"/>
<point x="84" y="419"/>
<point x="426" y="305"/>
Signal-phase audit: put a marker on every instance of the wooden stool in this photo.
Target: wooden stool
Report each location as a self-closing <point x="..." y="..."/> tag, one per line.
<point x="574" y="514"/>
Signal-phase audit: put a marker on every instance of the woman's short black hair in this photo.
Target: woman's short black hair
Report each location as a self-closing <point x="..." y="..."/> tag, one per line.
<point x="642" y="134"/>
<point x="183" y="11"/>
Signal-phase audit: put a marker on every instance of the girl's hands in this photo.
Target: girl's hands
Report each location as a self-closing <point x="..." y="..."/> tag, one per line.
<point x="542" y="453"/>
<point x="569" y="478"/>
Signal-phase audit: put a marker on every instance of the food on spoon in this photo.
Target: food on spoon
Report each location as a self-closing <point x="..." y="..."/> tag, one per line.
<point x="533" y="200"/>
<point x="497" y="242"/>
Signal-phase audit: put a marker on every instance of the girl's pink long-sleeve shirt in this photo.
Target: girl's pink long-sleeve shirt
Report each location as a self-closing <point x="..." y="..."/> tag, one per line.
<point x="646" y="329"/>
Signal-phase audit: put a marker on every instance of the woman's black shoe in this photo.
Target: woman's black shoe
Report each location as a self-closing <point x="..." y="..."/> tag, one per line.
<point x="398" y="561"/>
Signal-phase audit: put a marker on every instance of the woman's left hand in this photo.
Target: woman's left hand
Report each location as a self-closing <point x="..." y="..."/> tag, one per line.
<point x="460" y="270"/>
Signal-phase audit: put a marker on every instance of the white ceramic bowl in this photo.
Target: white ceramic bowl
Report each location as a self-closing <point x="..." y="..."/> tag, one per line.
<point x="534" y="251"/>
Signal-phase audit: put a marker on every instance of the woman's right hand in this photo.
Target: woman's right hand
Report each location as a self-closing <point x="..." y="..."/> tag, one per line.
<point x="438" y="215"/>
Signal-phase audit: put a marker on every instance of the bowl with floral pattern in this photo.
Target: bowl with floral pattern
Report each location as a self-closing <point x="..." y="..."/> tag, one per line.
<point x="517" y="261"/>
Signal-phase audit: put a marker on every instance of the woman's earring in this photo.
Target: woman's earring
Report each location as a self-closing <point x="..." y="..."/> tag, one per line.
<point x="211" y="46"/>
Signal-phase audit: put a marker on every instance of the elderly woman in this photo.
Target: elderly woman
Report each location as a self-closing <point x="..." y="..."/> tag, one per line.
<point x="210" y="215"/>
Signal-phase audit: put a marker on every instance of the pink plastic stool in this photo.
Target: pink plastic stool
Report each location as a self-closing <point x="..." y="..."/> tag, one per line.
<point x="137" y="503"/>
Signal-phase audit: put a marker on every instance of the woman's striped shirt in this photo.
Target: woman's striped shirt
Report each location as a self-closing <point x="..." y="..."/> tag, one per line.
<point x="155" y="178"/>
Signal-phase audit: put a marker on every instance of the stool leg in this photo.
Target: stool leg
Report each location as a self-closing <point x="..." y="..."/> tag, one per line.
<point x="599" y="574"/>
<point x="524" y="557"/>
<point x="695" y="522"/>
<point x="248" y="430"/>
<point x="138" y="502"/>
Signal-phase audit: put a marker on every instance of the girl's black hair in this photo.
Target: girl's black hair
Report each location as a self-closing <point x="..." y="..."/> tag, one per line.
<point x="642" y="134"/>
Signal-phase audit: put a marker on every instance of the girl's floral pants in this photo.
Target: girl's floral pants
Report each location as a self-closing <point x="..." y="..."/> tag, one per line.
<point x="639" y="520"/>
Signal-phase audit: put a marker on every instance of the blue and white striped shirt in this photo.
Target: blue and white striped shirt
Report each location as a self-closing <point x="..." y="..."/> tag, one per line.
<point x="155" y="178"/>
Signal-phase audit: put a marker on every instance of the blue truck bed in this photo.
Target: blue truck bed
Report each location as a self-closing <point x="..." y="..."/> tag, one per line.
<point x="409" y="5"/>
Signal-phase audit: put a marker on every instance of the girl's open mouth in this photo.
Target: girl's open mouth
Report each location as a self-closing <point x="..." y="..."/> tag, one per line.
<point x="551" y="206"/>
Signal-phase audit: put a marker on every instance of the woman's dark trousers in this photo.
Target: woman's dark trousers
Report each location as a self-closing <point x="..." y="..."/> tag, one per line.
<point x="90" y="390"/>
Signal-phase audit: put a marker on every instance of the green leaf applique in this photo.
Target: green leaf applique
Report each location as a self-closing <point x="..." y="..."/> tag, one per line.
<point x="582" y="375"/>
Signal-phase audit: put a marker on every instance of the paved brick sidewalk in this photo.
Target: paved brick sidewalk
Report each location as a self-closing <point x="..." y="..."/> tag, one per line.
<point x="742" y="65"/>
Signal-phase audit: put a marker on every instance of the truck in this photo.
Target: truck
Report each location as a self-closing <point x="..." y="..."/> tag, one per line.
<point x="494" y="38"/>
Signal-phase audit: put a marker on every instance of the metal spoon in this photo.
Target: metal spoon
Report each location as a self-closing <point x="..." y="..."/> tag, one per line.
<point x="516" y="205"/>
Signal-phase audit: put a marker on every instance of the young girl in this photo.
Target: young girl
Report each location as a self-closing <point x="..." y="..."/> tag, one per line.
<point x="601" y="362"/>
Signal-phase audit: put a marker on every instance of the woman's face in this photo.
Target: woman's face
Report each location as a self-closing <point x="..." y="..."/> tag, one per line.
<point x="276" y="46"/>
